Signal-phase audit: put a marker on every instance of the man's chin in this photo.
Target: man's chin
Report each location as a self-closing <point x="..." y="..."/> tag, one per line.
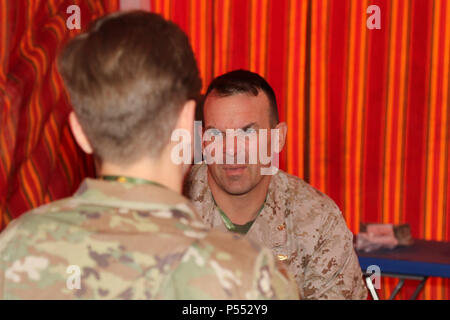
<point x="236" y="191"/>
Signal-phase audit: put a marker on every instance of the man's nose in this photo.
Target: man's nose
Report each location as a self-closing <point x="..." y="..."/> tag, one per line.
<point x="230" y="146"/>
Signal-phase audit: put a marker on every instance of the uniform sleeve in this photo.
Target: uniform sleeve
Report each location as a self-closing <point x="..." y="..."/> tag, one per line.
<point x="271" y="279"/>
<point x="2" y="277"/>
<point x="333" y="271"/>
<point x="203" y="274"/>
<point x="5" y="238"/>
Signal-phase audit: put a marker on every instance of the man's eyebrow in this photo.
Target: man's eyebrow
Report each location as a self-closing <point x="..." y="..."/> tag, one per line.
<point x="243" y="128"/>
<point x="248" y="126"/>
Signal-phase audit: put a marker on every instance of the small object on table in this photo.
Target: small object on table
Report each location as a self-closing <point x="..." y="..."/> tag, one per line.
<point x="373" y="236"/>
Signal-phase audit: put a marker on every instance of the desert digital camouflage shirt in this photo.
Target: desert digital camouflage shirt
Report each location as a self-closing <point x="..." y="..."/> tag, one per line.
<point x="131" y="242"/>
<point x="303" y="227"/>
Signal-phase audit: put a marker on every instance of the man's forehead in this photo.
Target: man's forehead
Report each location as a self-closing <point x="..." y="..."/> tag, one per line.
<point x="235" y="111"/>
<point x="215" y="97"/>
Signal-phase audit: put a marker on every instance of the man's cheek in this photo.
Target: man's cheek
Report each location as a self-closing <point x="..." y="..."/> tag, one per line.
<point x="251" y="151"/>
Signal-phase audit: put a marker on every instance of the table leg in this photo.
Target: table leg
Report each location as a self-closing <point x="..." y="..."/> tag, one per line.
<point x="418" y="289"/>
<point x="397" y="289"/>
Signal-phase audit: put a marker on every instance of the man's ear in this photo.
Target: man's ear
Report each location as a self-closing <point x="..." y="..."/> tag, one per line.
<point x="79" y="134"/>
<point x="186" y="117"/>
<point x="282" y="127"/>
<point x="185" y="121"/>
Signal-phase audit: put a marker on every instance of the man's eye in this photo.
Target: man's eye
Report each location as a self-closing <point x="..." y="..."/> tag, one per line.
<point x="215" y="132"/>
<point x="247" y="131"/>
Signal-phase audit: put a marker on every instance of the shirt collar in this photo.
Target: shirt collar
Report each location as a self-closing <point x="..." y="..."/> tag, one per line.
<point x="131" y="196"/>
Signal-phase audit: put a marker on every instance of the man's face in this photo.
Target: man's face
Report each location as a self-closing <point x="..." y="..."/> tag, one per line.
<point x="240" y="111"/>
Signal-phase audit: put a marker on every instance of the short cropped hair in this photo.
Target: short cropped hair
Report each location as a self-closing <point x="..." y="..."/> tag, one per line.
<point x="244" y="81"/>
<point x="128" y="78"/>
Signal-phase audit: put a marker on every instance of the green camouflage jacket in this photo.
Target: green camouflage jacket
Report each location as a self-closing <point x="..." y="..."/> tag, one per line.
<point x="303" y="227"/>
<point x="115" y="240"/>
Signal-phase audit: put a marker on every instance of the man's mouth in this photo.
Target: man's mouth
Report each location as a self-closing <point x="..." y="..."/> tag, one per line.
<point x="233" y="170"/>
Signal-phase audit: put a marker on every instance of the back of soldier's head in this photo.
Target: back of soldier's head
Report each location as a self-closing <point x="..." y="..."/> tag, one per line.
<point x="128" y="78"/>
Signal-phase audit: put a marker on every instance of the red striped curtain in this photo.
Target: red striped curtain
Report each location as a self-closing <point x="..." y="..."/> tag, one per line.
<point x="39" y="160"/>
<point x="367" y="110"/>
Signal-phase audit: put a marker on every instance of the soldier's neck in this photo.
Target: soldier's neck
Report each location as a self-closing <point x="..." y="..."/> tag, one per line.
<point x="159" y="171"/>
<point x="243" y="208"/>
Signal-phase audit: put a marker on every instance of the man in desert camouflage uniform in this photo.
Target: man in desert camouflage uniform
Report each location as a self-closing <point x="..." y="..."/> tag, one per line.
<point x="303" y="227"/>
<point x="130" y="234"/>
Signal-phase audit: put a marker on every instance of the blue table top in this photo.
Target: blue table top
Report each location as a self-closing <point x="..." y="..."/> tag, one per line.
<point x="423" y="258"/>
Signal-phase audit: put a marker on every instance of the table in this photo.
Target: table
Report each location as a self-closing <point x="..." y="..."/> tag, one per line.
<point x="419" y="261"/>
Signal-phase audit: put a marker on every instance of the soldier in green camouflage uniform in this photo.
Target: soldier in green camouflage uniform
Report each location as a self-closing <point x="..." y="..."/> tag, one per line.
<point x="130" y="234"/>
<point x="131" y="241"/>
<point x="303" y="227"/>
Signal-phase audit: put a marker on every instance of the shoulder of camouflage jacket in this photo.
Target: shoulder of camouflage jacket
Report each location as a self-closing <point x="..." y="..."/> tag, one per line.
<point x="241" y="269"/>
<point x="330" y="238"/>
